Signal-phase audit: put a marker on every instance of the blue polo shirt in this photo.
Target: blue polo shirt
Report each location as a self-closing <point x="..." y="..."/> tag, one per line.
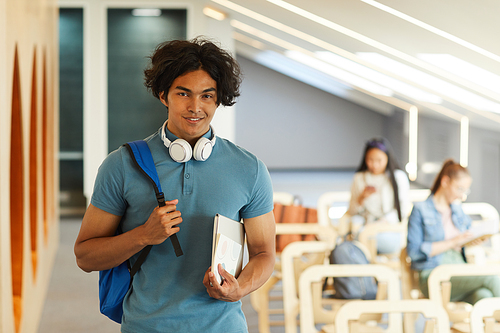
<point x="167" y="293"/>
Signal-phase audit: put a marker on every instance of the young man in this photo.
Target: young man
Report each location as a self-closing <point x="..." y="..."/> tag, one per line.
<point x="169" y="293"/>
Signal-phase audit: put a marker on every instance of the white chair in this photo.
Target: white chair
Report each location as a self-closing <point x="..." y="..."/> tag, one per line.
<point x="314" y="275"/>
<point x="260" y="298"/>
<point x="368" y="237"/>
<point x="417" y="195"/>
<point x="481" y="316"/>
<point x="353" y="310"/>
<point x="440" y="290"/>
<point x="483" y="209"/>
<point x="291" y="268"/>
<point x="328" y="200"/>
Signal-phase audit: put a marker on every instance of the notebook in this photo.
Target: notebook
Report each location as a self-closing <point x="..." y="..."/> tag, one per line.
<point x="227" y="246"/>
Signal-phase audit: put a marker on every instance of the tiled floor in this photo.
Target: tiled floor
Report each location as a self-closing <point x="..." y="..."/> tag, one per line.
<point x="72" y="303"/>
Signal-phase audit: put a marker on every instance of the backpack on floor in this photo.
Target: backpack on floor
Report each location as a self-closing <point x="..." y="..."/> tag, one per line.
<point x="114" y="283"/>
<point x="365" y="288"/>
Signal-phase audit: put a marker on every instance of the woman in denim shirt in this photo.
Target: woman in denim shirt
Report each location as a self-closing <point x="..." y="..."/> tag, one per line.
<point x="437" y="231"/>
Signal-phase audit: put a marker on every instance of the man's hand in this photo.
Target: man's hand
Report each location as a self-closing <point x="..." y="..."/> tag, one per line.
<point x="162" y="223"/>
<point x="228" y="291"/>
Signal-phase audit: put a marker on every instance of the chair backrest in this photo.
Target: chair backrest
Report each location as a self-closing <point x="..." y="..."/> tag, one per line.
<point x="317" y="273"/>
<point x="439" y="285"/>
<point x="324" y="233"/>
<point x="283" y="198"/>
<point x="354" y="309"/>
<point x="328" y="200"/>
<point x="289" y="275"/>
<point x="417" y="195"/>
<point x="483" y="209"/>
<point x="368" y="235"/>
<point x="483" y="308"/>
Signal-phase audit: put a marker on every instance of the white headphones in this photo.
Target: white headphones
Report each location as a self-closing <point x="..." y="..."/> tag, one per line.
<point x="180" y="150"/>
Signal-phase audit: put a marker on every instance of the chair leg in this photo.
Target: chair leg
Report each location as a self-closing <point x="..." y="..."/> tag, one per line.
<point x="489" y="324"/>
<point x="260" y="303"/>
<point x="429" y="326"/>
<point x="409" y="320"/>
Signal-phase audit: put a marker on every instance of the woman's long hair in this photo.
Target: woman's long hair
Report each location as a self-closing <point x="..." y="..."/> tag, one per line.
<point x="392" y="165"/>
<point x="451" y="169"/>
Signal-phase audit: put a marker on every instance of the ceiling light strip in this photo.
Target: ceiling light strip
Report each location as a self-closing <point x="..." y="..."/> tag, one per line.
<point x="459" y="96"/>
<point x="267" y="37"/>
<point x="383" y="47"/>
<point x="339" y="72"/>
<point x="411" y="167"/>
<point x="213" y="13"/>
<point x="433" y="29"/>
<point x="375" y="76"/>
<point x="249" y="41"/>
<point x="458" y="116"/>
<point x="464" y="142"/>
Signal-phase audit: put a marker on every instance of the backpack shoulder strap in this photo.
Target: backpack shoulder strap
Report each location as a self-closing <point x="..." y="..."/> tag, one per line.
<point x="141" y="155"/>
<point x="143" y="159"/>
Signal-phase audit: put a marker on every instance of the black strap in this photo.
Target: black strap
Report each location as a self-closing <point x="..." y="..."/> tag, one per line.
<point x="145" y="251"/>
<point x="173" y="238"/>
<point x="140" y="260"/>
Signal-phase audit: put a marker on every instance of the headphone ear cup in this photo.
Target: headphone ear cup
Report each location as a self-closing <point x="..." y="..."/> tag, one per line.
<point x="202" y="149"/>
<point x="180" y="151"/>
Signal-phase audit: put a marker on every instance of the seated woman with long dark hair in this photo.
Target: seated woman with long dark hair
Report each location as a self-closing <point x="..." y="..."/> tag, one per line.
<point x="380" y="192"/>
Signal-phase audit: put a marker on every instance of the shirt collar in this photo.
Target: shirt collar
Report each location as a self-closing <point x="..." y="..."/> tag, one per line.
<point x="171" y="137"/>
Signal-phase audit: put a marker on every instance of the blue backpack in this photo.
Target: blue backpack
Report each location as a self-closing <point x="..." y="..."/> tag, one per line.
<point x="364" y="288"/>
<point x="114" y="283"/>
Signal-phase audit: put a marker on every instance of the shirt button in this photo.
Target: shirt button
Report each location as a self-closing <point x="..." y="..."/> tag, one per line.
<point x="187" y="176"/>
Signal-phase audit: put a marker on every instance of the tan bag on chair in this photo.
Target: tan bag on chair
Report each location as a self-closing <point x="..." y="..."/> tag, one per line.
<point x="293" y="214"/>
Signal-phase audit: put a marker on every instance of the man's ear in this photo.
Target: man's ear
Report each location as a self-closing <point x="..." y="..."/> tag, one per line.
<point x="162" y="98"/>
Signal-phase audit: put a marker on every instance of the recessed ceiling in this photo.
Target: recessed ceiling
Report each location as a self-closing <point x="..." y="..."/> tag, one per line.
<point x="432" y="38"/>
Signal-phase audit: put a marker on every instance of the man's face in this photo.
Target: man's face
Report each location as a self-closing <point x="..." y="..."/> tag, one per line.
<point x="191" y="102"/>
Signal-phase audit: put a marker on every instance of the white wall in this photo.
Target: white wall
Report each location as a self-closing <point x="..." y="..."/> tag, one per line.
<point x="437" y="140"/>
<point x="291" y="125"/>
<point x="484" y="165"/>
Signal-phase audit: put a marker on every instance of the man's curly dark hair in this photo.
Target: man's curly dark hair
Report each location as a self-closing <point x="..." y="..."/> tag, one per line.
<point x="174" y="58"/>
